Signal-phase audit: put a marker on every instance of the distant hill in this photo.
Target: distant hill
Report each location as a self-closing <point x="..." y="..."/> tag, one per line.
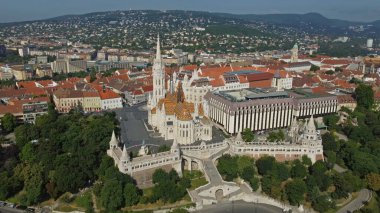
<point x="308" y="18"/>
<point x="309" y="22"/>
<point x="315" y="19"/>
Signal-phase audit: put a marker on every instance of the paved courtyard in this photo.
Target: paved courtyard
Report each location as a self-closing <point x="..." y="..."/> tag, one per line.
<point x="133" y="131"/>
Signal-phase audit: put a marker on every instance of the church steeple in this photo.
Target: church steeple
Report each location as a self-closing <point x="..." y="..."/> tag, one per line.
<point x="158" y="77"/>
<point x="113" y="142"/>
<point x="124" y="155"/>
<point x="158" y="49"/>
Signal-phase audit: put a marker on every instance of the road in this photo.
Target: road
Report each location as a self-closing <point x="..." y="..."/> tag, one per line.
<point x="240" y="207"/>
<point x="10" y="210"/>
<point x="364" y="196"/>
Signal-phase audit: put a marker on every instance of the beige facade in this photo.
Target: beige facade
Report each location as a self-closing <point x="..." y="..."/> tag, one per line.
<point x="91" y="102"/>
<point x="171" y="113"/>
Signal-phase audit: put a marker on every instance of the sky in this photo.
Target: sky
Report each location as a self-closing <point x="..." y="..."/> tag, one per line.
<point x="354" y="10"/>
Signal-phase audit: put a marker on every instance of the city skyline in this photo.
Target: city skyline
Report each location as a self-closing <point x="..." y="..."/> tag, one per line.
<point x="22" y="10"/>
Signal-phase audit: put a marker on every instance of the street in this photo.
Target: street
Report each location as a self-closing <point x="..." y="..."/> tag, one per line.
<point x="10" y="210"/>
<point x="364" y="196"/>
<point x="240" y="207"/>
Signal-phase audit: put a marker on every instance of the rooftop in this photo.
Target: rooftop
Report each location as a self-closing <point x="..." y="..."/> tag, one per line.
<point x="248" y="94"/>
<point x="252" y="94"/>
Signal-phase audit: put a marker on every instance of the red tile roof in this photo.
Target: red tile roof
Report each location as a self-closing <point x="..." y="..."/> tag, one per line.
<point x="108" y="94"/>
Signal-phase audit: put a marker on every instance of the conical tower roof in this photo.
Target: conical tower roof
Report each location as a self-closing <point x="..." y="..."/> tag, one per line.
<point x="310" y="125"/>
<point x="124" y="155"/>
<point x="114" y="140"/>
<point x="239" y="138"/>
<point x="175" y="146"/>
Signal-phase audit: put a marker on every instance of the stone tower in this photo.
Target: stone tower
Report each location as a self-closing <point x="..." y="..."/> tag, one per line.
<point x="294" y="57"/>
<point x="310" y="133"/>
<point x="158" y="77"/>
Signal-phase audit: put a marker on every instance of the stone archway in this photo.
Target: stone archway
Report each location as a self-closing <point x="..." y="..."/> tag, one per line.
<point x="219" y="195"/>
<point x="194" y="165"/>
<point x="185" y="164"/>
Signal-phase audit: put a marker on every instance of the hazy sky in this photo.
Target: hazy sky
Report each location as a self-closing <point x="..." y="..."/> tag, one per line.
<point x="358" y="10"/>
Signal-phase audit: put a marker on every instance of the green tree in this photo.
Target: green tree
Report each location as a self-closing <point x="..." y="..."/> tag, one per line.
<point x="244" y="162"/>
<point x="271" y="186"/>
<point x="295" y="191"/>
<point x="298" y="170"/>
<point x="163" y="148"/>
<point x="281" y="171"/>
<point x="254" y="183"/>
<point x="131" y="194"/>
<point x="364" y="96"/>
<point x="111" y="196"/>
<point x="265" y="165"/>
<point x="323" y="203"/>
<point x="8" y="122"/>
<point x="248" y="173"/>
<point x="248" y="135"/>
<point x="314" y="68"/>
<point x="159" y="176"/>
<point x="306" y="160"/>
<point x="227" y="167"/>
<point x="329" y="142"/>
<point x="373" y="181"/>
<point x="33" y="182"/>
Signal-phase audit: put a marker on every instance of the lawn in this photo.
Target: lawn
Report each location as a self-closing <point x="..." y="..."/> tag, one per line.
<point x="197" y="178"/>
<point x="195" y="183"/>
<point x="67" y="203"/>
<point x="373" y="204"/>
<point x="18" y="198"/>
<point x="83" y="200"/>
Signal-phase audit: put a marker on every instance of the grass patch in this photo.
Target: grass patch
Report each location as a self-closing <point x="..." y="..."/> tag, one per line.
<point x="373" y="204"/>
<point x="148" y="192"/>
<point x="18" y="198"/>
<point x="197" y="178"/>
<point x="83" y="200"/>
<point x="65" y="208"/>
<point x="192" y="174"/>
<point x="195" y="183"/>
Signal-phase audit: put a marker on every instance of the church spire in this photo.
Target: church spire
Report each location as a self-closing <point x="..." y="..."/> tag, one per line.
<point x="124" y="155"/>
<point x="158" y="49"/>
<point x="114" y="141"/>
<point x="239" y="138"/>
<point x="311" y="126"/>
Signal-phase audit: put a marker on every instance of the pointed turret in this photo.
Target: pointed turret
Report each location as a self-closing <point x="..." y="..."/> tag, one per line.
<point x="114" y="142"/>
<point x="239" y="138"/>
<point x="174" y="148"/>
<point x="311" y="126"/>
<point x="124" y="155"/>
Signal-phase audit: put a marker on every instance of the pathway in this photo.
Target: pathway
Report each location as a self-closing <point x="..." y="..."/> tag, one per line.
<point x="364" y="196"/>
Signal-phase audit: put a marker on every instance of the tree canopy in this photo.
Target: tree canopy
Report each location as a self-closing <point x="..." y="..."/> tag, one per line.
<point x="364" y="96"/>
